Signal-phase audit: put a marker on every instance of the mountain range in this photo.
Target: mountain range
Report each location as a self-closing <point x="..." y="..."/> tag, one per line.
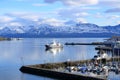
<point x="69" y="29"/>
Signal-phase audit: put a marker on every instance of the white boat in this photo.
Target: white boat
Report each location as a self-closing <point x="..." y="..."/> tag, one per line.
<point x="54" y="45"/>
<point x="102" y="55"/>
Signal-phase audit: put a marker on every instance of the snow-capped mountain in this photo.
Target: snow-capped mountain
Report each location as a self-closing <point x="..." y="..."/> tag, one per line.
<point x="71" y="28"/>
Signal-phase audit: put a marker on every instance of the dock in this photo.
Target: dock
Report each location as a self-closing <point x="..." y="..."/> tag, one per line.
<point x="51" y="70"/>
<point x="103" y="48"/>
<point x="116" y="51"/>
<point x="55" y="74"/>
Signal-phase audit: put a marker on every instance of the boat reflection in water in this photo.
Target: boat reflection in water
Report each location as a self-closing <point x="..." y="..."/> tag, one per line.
<point x="54" y="44"/>
<point x="54" y="51"/>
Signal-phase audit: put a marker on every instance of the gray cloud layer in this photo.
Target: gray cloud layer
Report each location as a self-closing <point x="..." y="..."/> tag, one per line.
<point x="74" y="2"/>
<point x="113" y="10"/>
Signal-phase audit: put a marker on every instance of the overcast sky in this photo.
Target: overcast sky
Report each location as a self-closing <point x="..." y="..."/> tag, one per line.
<point x="100" y="12"/>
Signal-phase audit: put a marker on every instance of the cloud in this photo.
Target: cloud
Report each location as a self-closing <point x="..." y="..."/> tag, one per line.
<point x="4" y="19"/>
<point x="110" y="3"/>
<point x="52" y="21"/>
<point x="81" y="20"/>
<point x="73" y="13"/>
<point x="31" y="17"/>
<point x="74" y="2"/>
<point x="99" y="15"/>
<point x="90" y="8"/>
<point x="118" y="22"/>
<point x="113" y="17"/>
<point x="106" y="16"/>
<point x="26" y="16"/>
<point x="81" y="14"/>
<point x="51" y="1"/>
<point x="25" y="0"/>
<point x="13" y="24"/>
<point x="25" y="19"/>
<point x="19" y="19"/>
<point x="111" y="6"/>
<point x="113" y="10"/>
<point x="80" y="2"/>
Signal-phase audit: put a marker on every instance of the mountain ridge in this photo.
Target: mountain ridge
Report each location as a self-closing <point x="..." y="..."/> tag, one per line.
<point x="68" y="30"/>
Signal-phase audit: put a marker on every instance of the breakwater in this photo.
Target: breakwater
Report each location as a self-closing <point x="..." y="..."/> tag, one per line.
<point x="93" y="43"/>
<point x="56" y="70"/>
<point x="56" y="74"/>
<point x="104" y="48"/>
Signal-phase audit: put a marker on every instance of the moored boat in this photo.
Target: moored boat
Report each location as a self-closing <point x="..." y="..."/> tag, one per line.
<point x="101" y="55"/>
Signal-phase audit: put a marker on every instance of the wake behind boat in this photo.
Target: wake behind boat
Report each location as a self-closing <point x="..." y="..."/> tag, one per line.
<point x="54" y="45"/>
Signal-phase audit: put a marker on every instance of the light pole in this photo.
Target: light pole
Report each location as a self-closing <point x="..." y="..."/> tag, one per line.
<point x="68" y="61"/>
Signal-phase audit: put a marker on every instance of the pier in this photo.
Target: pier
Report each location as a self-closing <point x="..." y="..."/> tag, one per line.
<point x="57" y="70"/>
<point x="103" y="48"/>
<point x="115" y="51"/>
<point x="56" y="74"/>
<point x="93" y="43"/>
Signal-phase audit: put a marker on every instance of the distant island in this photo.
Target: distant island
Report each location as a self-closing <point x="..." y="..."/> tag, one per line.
<point x="3" y="38"/>
<point x="8" y="38"/>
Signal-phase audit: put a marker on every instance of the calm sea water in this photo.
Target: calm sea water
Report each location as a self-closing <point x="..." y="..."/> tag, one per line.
<point x="14" y="54"/>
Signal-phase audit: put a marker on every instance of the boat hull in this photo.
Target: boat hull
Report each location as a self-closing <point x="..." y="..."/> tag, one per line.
<point x="49" y="47"/>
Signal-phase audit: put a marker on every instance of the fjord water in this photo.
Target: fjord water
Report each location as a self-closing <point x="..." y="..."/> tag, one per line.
<point x="15" y="53"/>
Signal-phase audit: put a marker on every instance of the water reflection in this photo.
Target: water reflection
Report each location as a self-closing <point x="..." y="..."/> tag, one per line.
<point x="54" y="51"/>
<point x="14" y="54"/>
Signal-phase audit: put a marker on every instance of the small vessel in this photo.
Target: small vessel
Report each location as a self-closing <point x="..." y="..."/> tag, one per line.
<point x="101" y="55"/>
<point x="54" y="44"/>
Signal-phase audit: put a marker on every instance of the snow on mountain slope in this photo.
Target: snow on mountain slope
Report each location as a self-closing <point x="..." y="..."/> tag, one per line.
<point x="68" y="27"/>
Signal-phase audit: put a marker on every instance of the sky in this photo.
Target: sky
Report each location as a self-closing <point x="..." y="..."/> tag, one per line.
<point x="57" y="12"/>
